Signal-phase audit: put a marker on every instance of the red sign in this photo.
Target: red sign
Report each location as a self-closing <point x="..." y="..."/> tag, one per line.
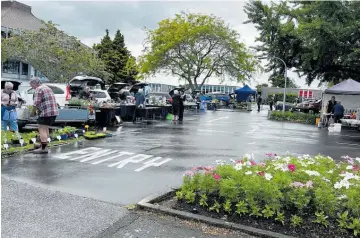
<point x="301" y="93"/>
<point x="305" y="93"/>
<point x="310" y="94"/>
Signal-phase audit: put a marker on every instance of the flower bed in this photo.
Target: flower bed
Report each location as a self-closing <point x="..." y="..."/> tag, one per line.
<point x="300" y="196"/>
<point x="305" y="118"/>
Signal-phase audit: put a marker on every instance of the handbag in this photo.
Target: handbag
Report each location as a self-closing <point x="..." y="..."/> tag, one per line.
<point x="10" y="115"/>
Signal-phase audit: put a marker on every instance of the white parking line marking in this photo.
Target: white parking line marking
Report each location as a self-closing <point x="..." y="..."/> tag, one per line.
<point x="253" y="130"/>
<point x="133" y="159"/>
<point x="71" y="154"/>
<point x="96" y="155"/>
<point x="113" y="157"/>
<point x="150" y="163"/>
<point x="217" y="119"/>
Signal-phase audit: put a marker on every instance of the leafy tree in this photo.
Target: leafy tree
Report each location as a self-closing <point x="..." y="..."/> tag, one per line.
<point x="320" y="39"/>
<point x="259" y="87"/>
<point x="117" y="57"/>
<point x="58" y="56"/>
<point x="279" y="81"/>
<point x="195" y="47"/>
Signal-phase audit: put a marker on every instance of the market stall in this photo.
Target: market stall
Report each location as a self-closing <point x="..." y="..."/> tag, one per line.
<point x="346" y="92"/>
<point x="242" y="94"/>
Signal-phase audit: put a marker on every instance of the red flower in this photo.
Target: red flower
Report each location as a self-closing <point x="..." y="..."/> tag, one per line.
<point x="269" y="154"/>
<point x="253" y="163"/>
<point x="292" y="167"/>
<point x="239" y="161"/>
<point x="216" y="177"/>
<point x="261" y="173"/>
<point x="197" y="168"/>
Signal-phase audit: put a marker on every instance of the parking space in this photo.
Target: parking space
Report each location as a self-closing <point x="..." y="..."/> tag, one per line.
<point x="142" y="159"/>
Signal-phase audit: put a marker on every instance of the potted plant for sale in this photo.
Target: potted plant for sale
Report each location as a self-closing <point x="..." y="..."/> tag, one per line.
<point x="70" y="131"/>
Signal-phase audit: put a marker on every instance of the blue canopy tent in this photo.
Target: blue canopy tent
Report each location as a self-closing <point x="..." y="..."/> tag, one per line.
<point x="242" y="94"/>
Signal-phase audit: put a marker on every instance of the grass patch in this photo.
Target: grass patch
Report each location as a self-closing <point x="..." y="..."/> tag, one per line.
<point x="298" y="117"/>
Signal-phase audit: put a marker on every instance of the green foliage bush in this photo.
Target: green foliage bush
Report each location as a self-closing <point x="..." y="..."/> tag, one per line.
<point x="288" y="190"/>
<point x="290" y="97"/>
<point x="305" y="118"/>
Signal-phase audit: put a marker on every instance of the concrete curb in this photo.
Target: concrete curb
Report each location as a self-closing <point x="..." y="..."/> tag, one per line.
<point x="147" y="204"/>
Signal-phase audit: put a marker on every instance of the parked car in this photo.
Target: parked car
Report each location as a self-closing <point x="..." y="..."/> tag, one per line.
<point x="279" y="106"/>
<point x="100" y="95"/>
<point x="61" y="91"/>
<point x="309" y="105"/>
<point x="135" y="88"/>
<point x="158" y="96"/>
<point x="114" y="91"/>
<point x="78" y="83"/>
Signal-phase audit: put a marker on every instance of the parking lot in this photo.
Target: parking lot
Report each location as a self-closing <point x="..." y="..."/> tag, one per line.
<point x="143" y="159"/>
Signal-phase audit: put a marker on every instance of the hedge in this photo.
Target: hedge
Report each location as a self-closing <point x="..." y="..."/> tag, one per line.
<point x="294" y="117"/>
<point x="290" y="97"/>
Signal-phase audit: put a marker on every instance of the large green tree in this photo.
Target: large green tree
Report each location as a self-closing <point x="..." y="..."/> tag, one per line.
<point x="58" y="56"/>
<point x="279" y="81"/>
<point x="117" y="58"/>
<point x="320" y="39"/>
<point x="195" y="47"/>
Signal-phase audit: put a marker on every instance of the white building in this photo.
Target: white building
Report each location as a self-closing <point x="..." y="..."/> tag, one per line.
<point x="16" y="17"/>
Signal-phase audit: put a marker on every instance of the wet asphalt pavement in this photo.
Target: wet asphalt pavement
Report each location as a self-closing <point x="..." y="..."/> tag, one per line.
<point x="140" y="160"/>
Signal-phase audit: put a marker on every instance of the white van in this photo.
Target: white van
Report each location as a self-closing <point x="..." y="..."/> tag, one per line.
<point x="61" y="91"/>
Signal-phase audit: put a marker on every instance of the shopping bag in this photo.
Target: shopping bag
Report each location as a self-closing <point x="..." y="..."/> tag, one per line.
<point x="169" y="116"/>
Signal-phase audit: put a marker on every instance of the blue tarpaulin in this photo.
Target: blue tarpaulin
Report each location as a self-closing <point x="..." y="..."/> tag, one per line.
<point x="242" y="94"/>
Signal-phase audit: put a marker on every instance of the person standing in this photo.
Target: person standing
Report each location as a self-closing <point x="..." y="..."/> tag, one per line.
<point x="329" y="108"/>
<point x="259" y="100"/>
<point x="9" y="101"/>
<point x="182" y="107"/>
<point x="45" y="103"/>
<point x="338" y="111"/>
<point x="176" y="105"/>
<point x="85" y="94"/>
<point x="139" y="102"/>
<point x="271" y="102"/>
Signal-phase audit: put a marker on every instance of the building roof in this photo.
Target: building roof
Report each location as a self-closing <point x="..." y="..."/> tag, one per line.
<point x="17" y="15"/>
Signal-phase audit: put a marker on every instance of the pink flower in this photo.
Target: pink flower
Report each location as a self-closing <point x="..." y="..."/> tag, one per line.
<point x="189" y="173"/>
<point x="275" y="154"/>
<point x="269" y="154"/>
<point x="356" y="168"/>
<point x="309" y="184"/>
<point x="239" y="161"/>
<point x="261" y="173"/>
<point x="292" y="167"/>
<point x="216" y="177"/>
<point x="196" y="168"/>
<point x="262" y="164"/>
<point x="253" y="163"/>
<point x="209" y="168"/>
<point x="297" y="184"/>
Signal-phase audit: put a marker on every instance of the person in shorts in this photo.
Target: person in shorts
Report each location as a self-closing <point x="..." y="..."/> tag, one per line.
<point x="45" y="103"/>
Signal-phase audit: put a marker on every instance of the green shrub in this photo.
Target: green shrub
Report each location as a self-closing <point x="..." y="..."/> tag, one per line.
<point x="287" y="190"/>
<point x="299" y="117"/>
<point x="290" y="97"/>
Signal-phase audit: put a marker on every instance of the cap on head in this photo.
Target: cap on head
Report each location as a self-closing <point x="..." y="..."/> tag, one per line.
<point x="140" y="90"/>
<point x="176" y="92"/>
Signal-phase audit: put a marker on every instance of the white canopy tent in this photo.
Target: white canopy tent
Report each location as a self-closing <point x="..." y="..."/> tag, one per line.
<point x="346" y="92"/>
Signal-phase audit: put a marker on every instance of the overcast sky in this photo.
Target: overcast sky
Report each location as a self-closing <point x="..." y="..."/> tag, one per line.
<point x="88" y="21"/>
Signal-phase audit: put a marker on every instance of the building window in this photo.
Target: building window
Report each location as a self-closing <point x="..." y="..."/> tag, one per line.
<point x="11" y="67"/>
<point x="25" y="69"/>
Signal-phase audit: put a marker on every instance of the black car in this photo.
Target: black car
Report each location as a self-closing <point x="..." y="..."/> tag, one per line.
<point x="78" y="83"/>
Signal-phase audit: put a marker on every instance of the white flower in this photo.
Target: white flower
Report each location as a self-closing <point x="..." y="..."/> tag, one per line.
<point x="357" y="159"/>
<point x="342" y="183"/>
<point x="343" y="196"/>
<point x="331" y="171"/>
<point x="248" y="172"/>
<point x="310" y="162"/>
<point x="325" y="179"/>
<point x="268" y="176"/>
<point x="348" y="176"/>
<point x="287" y="159"/>
<point x="312" y="173"/>
<point x="232" y="161"/>
<point x="220" y="162"/>
<point x="248" y="156"/>
<point x="238" y="166"/>
<point x="349" y="167"/>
